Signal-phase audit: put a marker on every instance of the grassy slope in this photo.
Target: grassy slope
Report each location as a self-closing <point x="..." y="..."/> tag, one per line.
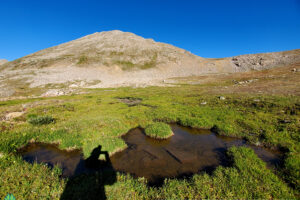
<point x="85" y="121"/>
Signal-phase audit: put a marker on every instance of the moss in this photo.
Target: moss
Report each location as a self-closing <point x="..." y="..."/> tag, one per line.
<point x="159" y="130"/>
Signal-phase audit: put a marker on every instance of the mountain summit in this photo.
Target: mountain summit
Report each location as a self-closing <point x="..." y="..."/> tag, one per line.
<point x="112" y="48"/>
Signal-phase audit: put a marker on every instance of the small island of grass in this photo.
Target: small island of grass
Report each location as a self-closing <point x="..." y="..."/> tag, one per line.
<point x="159" y="130"/>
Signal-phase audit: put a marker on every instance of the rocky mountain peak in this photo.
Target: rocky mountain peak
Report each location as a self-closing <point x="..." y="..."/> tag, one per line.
<point x="110" y="48"/>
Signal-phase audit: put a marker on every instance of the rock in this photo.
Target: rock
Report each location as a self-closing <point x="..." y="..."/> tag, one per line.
<point x="53" y="92"/>
<point x="256" y="100"/>
<point x="73" y="86"/>
<point x="257" y="143"/>
<point x="13" y="115"/>
<point x="203" y="103"/>
<point x="222" y="98"/>
<point x="82" y="83"/>
<point x="294" y="70"/>
<point x="264" y="61"/>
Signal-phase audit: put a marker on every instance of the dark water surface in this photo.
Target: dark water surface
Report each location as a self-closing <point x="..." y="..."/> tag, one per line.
<point x="71" y="162"/>
<point x="187" y="152"/>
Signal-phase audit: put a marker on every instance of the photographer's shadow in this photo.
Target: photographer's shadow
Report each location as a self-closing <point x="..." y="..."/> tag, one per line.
<point x="91" y="185"/>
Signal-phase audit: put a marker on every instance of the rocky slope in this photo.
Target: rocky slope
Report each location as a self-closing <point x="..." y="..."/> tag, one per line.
<point x="3" y="61"/>
<point x="116" y="58"/>
<point x="266" y="60"/>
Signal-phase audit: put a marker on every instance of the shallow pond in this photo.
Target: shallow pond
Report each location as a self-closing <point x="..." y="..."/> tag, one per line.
<point x="187" y="152"/>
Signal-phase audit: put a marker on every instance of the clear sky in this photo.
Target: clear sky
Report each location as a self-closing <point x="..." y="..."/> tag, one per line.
<point x="208" y="28"/>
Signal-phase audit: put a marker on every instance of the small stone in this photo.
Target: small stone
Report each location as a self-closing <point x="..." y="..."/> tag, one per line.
<point x="256" y="100"/>
<point x="73" y="86"/>
<point x="294" y="70"/>
<point x="203" y="103"/>
<point x="222" y="98"/>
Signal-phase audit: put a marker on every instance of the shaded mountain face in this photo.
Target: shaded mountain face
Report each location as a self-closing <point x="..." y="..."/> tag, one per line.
<point x="116" y="58"/>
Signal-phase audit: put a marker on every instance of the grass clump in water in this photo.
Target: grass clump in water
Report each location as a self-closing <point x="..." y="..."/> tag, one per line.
<point x="40" y="120"/>
<point x="159" y="130"/>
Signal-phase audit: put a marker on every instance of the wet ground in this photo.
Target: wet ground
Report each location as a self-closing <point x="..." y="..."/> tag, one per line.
<point x="189" y="151"/>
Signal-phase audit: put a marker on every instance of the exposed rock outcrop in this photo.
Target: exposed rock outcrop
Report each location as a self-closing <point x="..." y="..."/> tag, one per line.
<point x="266" y="60"/>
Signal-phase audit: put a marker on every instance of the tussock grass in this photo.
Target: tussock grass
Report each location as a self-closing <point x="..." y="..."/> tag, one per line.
<point x="40" y="120"/>
<point x="83" y="59"/>
<point x="159" y="130"/>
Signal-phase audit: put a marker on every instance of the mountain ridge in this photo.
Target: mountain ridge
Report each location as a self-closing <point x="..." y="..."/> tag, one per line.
<point x="116" y="58"/>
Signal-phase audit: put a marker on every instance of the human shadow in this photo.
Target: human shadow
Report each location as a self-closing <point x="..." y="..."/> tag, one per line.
<point x="90" y="185"/>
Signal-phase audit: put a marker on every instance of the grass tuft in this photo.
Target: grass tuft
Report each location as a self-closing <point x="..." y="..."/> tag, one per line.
<point x="40" y="120"/>
<point x="159" y="130"/>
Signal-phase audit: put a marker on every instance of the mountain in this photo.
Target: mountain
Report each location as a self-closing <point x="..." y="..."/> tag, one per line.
<point x="116" y="58"/>
<point x="3" y="61"/>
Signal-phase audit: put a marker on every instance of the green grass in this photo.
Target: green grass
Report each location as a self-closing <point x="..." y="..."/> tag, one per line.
<point x="159" y="130"/>
<point x="40" y="120"/>
<point x="126" y="65"/>
<point x="83" y="59"/>
<point x="98" y="118"/>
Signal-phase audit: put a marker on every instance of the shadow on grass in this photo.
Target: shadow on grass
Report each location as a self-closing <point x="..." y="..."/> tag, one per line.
<point x="91" y="185"/>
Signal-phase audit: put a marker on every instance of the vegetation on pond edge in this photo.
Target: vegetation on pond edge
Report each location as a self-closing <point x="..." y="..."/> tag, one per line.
<point x="83" y="121"/>
<point x="246" y="178"/>
<point x="159" y="130"/>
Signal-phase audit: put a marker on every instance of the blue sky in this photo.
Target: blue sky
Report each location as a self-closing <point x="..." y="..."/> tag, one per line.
<point x="208" y="28"/>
